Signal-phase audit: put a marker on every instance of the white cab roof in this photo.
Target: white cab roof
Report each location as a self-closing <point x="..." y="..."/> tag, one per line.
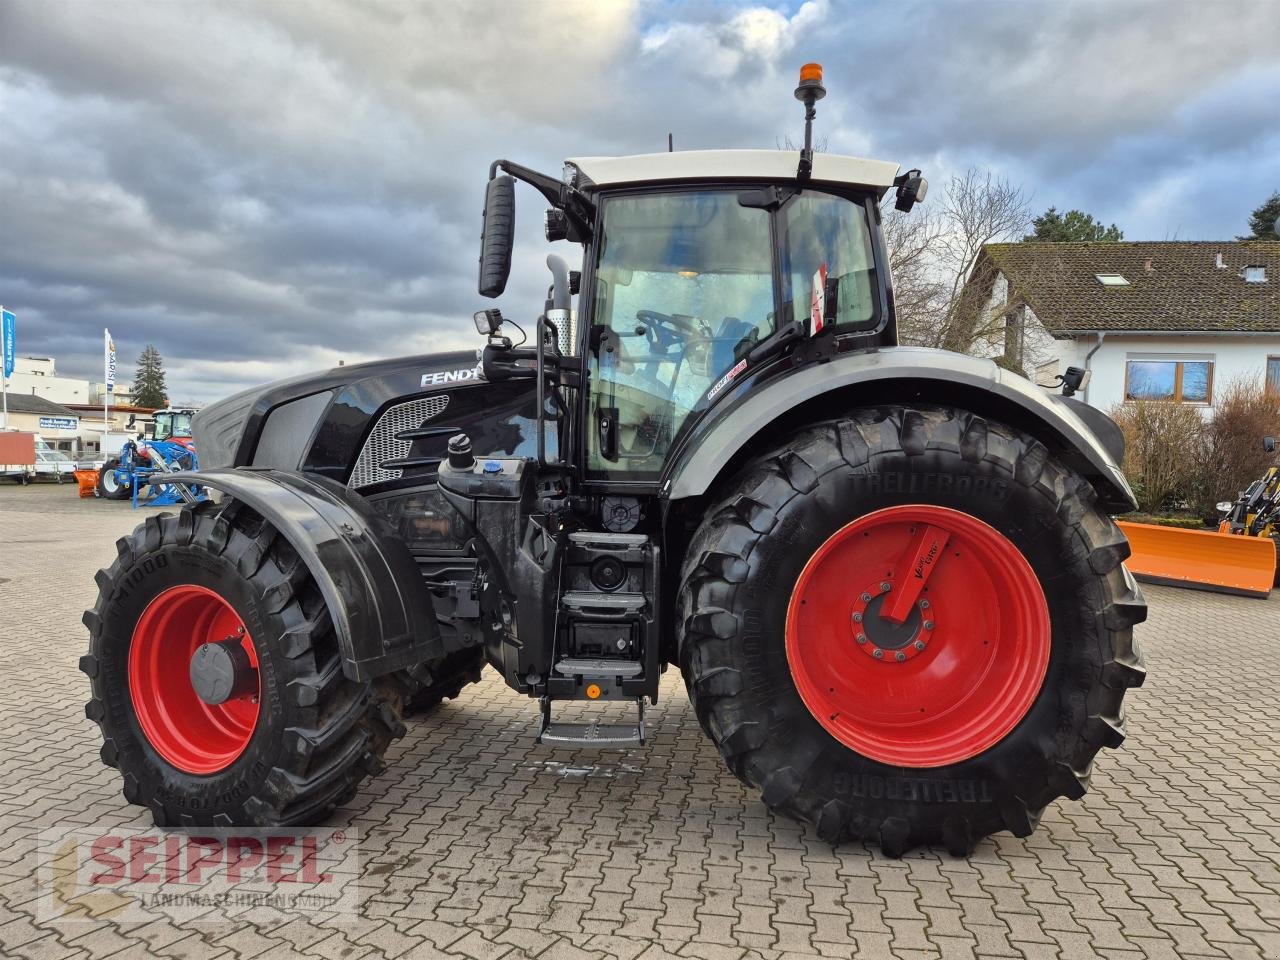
<point x="733" y="165"/>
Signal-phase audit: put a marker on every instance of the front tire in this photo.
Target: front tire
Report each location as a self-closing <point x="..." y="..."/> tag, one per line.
<point x="831" y="734"/>
<point x="109" y="488"/>
<point x="286" y="747"/>
<point x="427" y="685"/>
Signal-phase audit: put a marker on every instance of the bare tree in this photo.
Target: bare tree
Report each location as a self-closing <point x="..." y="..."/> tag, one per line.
<point x="911" y="241"/>
<point x="933" y="254"/>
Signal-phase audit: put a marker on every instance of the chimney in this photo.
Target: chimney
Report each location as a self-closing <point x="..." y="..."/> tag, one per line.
<point x="1147" y="267"/>
<point x="1218" y="262"/>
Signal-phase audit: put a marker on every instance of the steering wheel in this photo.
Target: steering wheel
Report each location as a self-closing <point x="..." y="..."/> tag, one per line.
<point x="683" y="326"/>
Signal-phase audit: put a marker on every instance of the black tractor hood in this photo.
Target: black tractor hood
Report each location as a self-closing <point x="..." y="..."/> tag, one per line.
<point x="227" y="433"/>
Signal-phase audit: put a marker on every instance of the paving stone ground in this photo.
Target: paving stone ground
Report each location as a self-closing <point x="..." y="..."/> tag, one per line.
<point x="479" y="844"/>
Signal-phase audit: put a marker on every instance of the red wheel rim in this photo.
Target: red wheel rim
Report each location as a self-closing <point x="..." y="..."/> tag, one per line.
<point x="931" y="696"/>
<point x="194" y="736"/>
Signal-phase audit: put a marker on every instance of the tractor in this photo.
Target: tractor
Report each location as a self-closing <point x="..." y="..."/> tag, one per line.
<point x="166" y="446"/>
<point x="889" y="575"/>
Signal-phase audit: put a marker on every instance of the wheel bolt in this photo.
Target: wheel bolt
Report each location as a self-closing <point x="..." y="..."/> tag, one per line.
<point x="899" y="656"/>
<point x="857" y="618"/>
<point x="924" y="604"/>
<point x="886" y="586"/>
<point x="862" y="638"/>
<point x="878" y="653"/>
<point x="919" y="644"/>
<point x="866" y="598"/>
<point x="928" y="624"/>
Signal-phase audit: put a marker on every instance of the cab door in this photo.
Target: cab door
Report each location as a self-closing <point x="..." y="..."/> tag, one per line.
<point x="684" y="287"/>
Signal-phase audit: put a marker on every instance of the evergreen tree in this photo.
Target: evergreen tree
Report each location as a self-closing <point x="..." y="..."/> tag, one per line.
<point x="149" y="388"/>
<point x="1264" y="222"/>
<point x="1072" y="226"/>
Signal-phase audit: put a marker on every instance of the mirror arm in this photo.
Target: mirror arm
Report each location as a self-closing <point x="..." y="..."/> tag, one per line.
<point x="573" y="202"/>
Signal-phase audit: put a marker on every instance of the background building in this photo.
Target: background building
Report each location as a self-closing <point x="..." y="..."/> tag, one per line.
<point x="1162" y="320"/>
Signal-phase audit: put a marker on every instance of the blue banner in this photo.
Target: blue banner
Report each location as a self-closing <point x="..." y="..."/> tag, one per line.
<point x="10" y="336"/>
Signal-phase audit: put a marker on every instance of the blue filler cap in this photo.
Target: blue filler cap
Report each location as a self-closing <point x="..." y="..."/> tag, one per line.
<point x="492" y="466"/>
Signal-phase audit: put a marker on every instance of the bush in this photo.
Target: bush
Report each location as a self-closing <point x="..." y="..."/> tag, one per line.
<point x="1165" y="447"/>
<point x="1178" y="458"/>
<point x="1243" y="414"/>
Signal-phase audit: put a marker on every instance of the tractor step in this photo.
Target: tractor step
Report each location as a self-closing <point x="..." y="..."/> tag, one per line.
<point x="604" y="604"/>
<point x="592" y="669"/>
<point x="593" y="733"/>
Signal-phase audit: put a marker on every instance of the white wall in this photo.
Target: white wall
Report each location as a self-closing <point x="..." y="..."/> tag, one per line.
<point x="1233" y="357"/>
<point x="38" y="376"/>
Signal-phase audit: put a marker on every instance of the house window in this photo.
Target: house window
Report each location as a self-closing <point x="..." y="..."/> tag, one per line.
<point x="1182" y="381"/>
<point x="1111" y="279"/>
<point x="1255" y="274"/>
<point x="1273" y="376"/>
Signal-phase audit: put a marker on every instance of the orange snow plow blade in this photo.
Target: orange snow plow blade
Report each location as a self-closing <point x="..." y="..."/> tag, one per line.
<point x="1201" y="559"/>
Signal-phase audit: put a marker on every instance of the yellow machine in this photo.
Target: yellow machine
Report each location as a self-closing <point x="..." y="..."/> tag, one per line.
<point x="1257" y="511"/>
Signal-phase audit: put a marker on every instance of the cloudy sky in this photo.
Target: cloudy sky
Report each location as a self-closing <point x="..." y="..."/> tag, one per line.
<point x="261" y="188"/>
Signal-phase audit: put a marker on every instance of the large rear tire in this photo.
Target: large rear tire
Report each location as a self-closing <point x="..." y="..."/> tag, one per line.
<point x="974" y="713"/>
<point x="292" y="742"/>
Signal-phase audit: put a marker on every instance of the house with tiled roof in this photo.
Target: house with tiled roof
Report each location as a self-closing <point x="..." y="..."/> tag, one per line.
<point x="1162" y="320"/>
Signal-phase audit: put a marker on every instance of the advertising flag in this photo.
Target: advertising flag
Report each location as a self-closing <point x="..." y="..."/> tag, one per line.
<point x="109" y="359"/>
<point x="9" y="324"/>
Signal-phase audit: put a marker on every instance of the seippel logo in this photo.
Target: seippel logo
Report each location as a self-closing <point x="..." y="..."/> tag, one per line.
<point x="124" y="874"/>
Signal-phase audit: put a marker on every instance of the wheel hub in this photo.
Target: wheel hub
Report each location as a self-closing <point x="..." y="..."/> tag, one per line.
<point x="220" y="671"/>
<point x="880" y="638"/>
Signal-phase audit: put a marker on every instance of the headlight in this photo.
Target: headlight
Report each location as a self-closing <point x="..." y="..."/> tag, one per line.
<point x="487" y="321"/>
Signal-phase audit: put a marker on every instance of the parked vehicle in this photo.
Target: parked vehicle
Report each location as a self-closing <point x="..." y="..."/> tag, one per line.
<point x="169" y="448"/>
<point x="53" y="463"/>
<point x="889" y="575"/>
<point x="17" y="455"/>
<point x="1256" y="512"/>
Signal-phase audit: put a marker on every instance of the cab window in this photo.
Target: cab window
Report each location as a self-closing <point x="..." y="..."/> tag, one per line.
<point x="684" y="290"/>
<point x="819" y="230"/>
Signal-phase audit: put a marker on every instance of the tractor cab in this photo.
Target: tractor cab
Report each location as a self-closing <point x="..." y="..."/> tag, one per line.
<point x="171" y="424"/>
<point x="700" y="270"/>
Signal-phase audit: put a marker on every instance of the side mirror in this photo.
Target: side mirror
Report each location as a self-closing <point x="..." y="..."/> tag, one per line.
<point x="1269" y="444"/>
<point x="498" y="235"/>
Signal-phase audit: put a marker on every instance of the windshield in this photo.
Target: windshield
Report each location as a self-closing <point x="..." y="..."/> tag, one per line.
<point x="684" y="289"/>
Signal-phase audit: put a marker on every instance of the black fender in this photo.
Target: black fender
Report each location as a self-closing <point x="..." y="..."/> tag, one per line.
<point x="381" y="611"/>
<point x="1085" y="439"/>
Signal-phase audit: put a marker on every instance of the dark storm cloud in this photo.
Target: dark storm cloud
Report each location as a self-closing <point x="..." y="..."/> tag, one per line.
<point x="261" y="189"/>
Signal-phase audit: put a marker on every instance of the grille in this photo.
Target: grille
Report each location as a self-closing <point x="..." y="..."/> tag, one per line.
<point x="382" y="444"/>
